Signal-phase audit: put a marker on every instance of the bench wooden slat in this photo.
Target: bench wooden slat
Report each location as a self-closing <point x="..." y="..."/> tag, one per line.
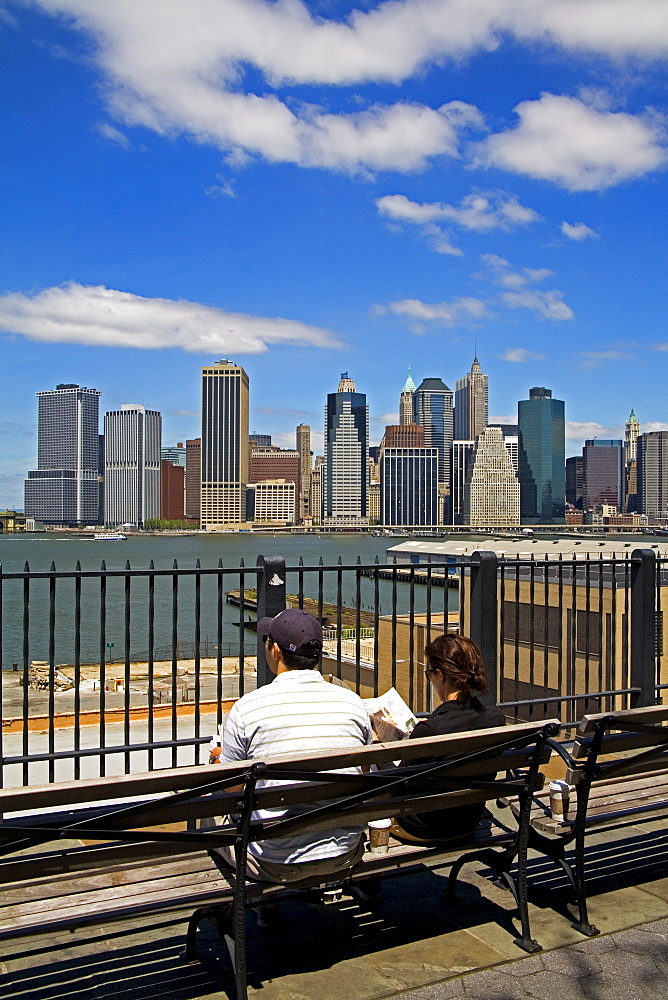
<point x="618" y="743"/>
<point x="115" y="907"/>
<point x="86" y="893"/>
<point x="68" y="885"/>
<point x="645" y="716"/>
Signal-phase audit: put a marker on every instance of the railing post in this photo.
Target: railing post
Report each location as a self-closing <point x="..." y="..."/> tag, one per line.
<point x="270" y="601"/>
<point x="483" y="615"/>
<point x="643" y="627"/>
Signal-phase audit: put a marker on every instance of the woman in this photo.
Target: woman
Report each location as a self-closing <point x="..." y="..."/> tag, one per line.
<point x="457" y="674"/>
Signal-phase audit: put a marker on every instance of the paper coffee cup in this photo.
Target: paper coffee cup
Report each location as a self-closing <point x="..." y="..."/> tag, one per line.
<point x="379" y="835"/>
<point x="559" y="799"/>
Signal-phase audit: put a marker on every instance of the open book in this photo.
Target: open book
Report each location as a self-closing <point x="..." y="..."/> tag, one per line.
<point x="391" y="717"/>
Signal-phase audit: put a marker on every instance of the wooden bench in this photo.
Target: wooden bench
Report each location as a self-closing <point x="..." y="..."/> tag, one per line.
<point x="618" y="765"/>
<point x="127" y="852"/>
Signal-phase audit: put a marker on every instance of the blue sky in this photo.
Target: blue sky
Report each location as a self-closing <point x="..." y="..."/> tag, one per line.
<point x="314" y="187"/>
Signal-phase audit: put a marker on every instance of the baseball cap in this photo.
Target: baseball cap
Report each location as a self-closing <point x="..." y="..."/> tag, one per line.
<point x="291" y="629"/>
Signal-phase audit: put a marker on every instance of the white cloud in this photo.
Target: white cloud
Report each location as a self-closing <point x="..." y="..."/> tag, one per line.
<point x="575" y="145"/>
<point x="480" y="212"/>
<point x="178" y="67"/>
<point x="653" y="425"/>
<point x="387" y="419"/>
<point x="517" y="295"/>
<point x="578" y="231"/>
<point x="99" y="316"/>
<point x="223" y="189"/>
<point x="440" y="241"/>
<point x="547" y="305"/>
<point x="518" y="356"/>
<point x="510" y="418"/>
<point x="592" y="359"/>
<point x="581" y="430"/>
<point x="113" y="134"/>
<point x="460" y="310"/>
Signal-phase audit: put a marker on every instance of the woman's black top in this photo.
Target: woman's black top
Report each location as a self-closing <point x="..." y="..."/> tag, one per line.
<point x="451" y="717"/>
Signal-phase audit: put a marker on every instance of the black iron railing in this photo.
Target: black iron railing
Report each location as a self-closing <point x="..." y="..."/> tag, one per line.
<point x="121" y="670"/>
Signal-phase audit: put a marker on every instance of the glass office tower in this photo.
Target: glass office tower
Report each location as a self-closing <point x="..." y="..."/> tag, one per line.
<point x="64" y="488"/>
<point x="542" y="459"/>
<point x="225" y="458"/>
<point x="344" y="487"/>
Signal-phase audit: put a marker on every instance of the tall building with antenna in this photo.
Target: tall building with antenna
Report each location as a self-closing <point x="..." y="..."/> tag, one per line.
<point x="406" y="400"/>
<point x="345" y="482"/>
<point x="471" y="403"/>
<point x="631" y="433"/>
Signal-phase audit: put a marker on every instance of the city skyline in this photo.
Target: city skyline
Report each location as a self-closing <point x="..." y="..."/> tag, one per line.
<point x="324" y="186"/>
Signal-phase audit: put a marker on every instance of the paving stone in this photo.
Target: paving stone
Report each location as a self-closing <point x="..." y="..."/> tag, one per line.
<point x="549" y="985"/>
<point x="595" y="945"/>
<point x="492" y="984"/>
<point x="607" y="987"/>
<point x="623" y="908"/>
<point x="575" y="964"/>
<point x="350" y="980"/>
<point x="419" y="962"/>
<point x="657" y="927"/>
<point x="627" y="965"/>
<point x="524" y="966"/>
<point x="642" y="942"/>
<point x="448" y="989"/>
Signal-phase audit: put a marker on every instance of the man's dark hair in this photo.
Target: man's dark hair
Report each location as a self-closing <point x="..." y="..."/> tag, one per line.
<point x="307" y="659"/>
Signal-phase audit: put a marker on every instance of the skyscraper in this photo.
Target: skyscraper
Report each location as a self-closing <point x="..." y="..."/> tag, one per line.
<point x="492" y="490"/>
<point x="632" y="430"/>
<point x="172" y="491"/>
<point x="603" y="474"/>
<point x="406" y="400"/>
<point x="64" y="488"/>
<point x="132" y="465"/>
<point x="224" y="444"/>
<point x="346" y="455"/>
<point x="462" y="452"/>
<point x="542" y="458"/>
<point x="574" y="481"/>
<point x="471" y="404"/>
<point x="303" y="435"/>
<point x="193" y="478"/>
<point x="652" y="458"/>
<point x="432" y="409"/>
<point x="409" y="486"/>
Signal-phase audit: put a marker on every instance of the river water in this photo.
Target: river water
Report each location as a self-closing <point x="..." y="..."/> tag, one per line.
<point x="26" y="640"/>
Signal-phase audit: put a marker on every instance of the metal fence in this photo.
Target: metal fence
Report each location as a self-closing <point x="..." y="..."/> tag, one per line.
<point x="124" y="670"/>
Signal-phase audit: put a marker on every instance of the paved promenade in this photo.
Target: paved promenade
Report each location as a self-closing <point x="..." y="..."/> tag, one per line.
<point x="412" y="945"/>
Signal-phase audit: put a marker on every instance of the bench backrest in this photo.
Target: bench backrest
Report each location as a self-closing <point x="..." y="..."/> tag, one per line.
<point x="131" y="807"/>
<point x="637" y="738"/>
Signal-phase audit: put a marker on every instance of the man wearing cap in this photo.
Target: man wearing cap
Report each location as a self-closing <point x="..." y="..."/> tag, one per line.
<point x="299" y="712"/>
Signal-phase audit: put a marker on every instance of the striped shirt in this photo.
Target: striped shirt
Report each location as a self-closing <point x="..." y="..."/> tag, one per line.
<point x="298" y="713"/>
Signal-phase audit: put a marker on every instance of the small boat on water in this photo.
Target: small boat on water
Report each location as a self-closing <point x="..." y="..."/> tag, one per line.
<point x="109" y="536"/>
